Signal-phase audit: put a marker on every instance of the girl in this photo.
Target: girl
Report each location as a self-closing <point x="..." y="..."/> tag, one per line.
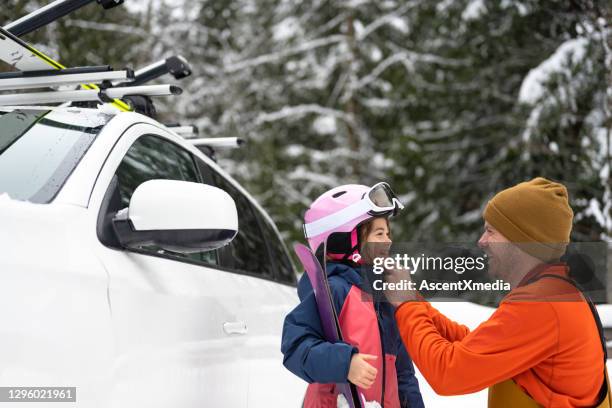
<point x="372" y="355"/>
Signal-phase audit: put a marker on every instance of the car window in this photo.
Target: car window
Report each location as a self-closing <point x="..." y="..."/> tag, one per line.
<point x="39" y="149"/>
<point x="152" y="157"/>
<point x="284" y="268"/>
<point x="248" y="251"/>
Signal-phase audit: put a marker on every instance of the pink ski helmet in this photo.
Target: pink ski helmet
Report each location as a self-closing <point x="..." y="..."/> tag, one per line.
<point x="334" y="216"/>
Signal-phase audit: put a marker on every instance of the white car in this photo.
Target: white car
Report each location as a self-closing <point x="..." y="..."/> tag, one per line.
<point x="102" y="285"/>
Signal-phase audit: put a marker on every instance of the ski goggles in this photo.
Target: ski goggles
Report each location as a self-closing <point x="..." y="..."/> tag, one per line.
<point x="379" y="200"/>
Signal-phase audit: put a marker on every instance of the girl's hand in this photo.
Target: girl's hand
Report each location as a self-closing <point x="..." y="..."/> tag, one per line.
<point x="361" y="373"/>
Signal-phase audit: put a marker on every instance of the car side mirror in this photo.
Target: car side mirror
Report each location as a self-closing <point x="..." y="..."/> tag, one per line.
<point x="178" y="216"/>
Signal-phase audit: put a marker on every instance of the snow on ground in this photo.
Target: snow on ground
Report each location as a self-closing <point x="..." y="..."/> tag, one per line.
<point x="433" y="400"/>
<point x="472" y="315"/>
<point x="605" y="313"/>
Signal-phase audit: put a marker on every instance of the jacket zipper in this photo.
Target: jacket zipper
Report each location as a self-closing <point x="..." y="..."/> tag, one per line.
<point x="382" y="346"/>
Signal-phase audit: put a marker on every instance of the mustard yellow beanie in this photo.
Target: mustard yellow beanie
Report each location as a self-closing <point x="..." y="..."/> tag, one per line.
<point x="535" y="213"/>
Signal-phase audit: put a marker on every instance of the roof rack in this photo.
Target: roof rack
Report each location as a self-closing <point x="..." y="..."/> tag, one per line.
<point x="70" y="76"/>
<point x="209" y="146"/>
<point x="177" y="66"/>
<point x="85" y="95"/>
<point x="114" y="85"/>
<point x="188" y="131"/>
<point x="219" y="142"/>
<point x="51" y="12"/>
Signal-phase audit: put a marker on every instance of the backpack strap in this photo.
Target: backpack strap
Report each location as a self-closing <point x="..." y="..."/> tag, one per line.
<point x="603" y="392"/>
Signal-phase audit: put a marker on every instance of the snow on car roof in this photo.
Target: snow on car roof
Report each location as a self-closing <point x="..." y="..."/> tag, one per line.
<point x="85" y="117"/>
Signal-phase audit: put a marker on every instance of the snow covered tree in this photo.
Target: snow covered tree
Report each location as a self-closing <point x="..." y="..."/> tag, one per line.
<point x="567" y="133"/>
<point x="449" y="100"/>
<point x="426" y="95"/>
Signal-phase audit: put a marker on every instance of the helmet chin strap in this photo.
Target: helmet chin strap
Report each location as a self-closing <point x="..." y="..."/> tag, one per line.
<point x="356" y="256"/>
<point x="353" y="255"/>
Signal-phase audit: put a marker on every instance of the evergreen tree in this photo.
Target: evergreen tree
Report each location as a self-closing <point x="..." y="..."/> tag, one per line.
<point x="449" y="101"/>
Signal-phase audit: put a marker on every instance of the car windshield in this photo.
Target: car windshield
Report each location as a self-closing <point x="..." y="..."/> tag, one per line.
<point x="39" y="149"/>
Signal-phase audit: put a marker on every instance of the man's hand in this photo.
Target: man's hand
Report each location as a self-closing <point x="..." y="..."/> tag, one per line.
<point x="398" y="277"/>
<point x="361" y="373"/>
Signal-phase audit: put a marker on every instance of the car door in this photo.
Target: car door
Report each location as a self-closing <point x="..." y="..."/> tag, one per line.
<point x="281" y="298"/>
<point x="267" y="293"/>
<point x="174" y="316"/>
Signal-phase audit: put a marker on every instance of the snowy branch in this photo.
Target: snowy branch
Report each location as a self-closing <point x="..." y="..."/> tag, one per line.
<point x="382" y="67"/>
<point x="301" y="173"/>
<point x="302" y="110"/>
<point x="329" y="25"/>
<point x="115" y="28"/>
<point x="461" y="125"/>
<point x="275" y="56"/>
<point x="386" y="19"/>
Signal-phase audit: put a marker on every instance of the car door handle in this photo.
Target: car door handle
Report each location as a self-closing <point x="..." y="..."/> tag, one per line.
<point x="235" y="328"/>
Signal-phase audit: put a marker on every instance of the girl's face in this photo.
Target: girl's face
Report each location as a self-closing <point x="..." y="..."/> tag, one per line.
<point x="379" y="231"/>
<point x="378" y="240"/>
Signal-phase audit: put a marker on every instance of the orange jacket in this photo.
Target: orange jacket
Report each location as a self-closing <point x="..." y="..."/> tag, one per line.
<point x="543" y="336"/>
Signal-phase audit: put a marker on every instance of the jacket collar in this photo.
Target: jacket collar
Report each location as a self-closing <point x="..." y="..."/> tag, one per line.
<point x="347" y="272"/>
<point x="559" y="269"/>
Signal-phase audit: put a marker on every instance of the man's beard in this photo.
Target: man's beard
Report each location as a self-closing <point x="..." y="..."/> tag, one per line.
<point x="502" y="261"/>
<point x="495" y="266"/>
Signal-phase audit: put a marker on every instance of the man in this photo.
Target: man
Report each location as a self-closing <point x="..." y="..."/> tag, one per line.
<point x="542" y="346"/>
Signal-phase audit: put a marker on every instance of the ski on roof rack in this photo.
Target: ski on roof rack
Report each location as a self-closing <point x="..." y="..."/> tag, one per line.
<point x="52" y="12"/>
<point x="87" y="95"/>
<point x="73" y="76"/>
<point x="24" y="57"/>
<point x="74" y="70"/>
<point x="37" y="69"/>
